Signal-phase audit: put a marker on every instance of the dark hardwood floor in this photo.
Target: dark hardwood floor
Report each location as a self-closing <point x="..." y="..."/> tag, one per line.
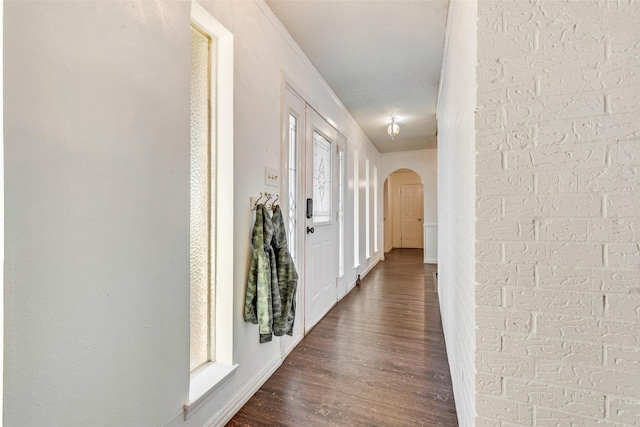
<point x="377" y="358"/>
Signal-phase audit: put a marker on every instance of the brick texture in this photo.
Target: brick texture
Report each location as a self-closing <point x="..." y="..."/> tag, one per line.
<point x="558" y="213"/>
<point x="457" y="207"/>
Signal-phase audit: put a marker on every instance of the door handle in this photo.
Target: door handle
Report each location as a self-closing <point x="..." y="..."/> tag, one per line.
<point x="310" y="208"/>
<point x="310" y="230"/>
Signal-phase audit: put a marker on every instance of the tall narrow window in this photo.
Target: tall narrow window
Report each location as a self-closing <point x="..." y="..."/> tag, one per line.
<point x="356" y="211"/>
<point x="375" y="209"/>
<point x="211" y="185"/>
<point x="202" y="208"/>
<point x="367" y="212"/>
<point x="340" y="212"/>
<point x="293" y="184"/>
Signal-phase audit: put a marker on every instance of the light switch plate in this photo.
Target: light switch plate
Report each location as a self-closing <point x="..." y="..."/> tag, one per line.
<point x="271" y="177"/>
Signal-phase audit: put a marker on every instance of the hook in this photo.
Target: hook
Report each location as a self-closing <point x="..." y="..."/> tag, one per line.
<point x="256" y="203"/>
<point x="274" y="202"/>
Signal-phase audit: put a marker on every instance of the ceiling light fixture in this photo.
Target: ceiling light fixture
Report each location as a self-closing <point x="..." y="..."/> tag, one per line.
<point x="393" y="129"/>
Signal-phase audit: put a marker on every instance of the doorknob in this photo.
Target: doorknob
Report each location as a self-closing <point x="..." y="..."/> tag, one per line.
<point x="310" y="230"/>
<point x="419" y="219"/>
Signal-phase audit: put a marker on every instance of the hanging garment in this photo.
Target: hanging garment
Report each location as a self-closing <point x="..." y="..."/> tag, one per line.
<point x="262" y="301"/>
<point x="287" y="277"/>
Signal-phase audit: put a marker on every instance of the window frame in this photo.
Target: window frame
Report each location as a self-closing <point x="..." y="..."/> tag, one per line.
<point x="356" y="210"/>
<point x="342" y="169"/>
<point x="375" y="209"/>
<point x="367" y="208"/>
<point x="203" y="155"/>
<point x="293" y="235"/>
<point x="205" y="379"/>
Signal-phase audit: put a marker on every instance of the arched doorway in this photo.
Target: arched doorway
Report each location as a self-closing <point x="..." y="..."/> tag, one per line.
<point x="403" y="208"/>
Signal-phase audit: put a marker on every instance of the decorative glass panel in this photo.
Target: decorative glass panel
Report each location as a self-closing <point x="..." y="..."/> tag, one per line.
<point x="293" y="184"/>
<point x="200" y="202"/>
<point x="321" y="178"/>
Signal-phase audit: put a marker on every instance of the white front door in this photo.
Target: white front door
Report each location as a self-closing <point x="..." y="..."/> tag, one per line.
<point x="321" y="254"/>
<point x="411" y="196"/>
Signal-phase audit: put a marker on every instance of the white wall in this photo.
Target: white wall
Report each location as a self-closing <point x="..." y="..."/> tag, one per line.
<point x="422" y="162"/>
<point x="558" y="200"/>
<point x="97" y="220"/>
<point x="456" y="203"/>
<point x="1" y="213"/>
<point x="364" y="152"/>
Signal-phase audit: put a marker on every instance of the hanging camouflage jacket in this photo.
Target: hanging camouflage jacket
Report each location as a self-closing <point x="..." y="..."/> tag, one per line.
<point x="287" y="277"/>
<point x="262" y="302"/>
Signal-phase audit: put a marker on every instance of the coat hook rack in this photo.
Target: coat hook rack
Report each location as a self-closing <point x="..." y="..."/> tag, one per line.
<point x="254" y="201"/>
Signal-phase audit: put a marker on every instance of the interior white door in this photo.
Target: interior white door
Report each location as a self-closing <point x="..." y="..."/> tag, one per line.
<point x="412" y="207"/>
<point x="321" y="269"/>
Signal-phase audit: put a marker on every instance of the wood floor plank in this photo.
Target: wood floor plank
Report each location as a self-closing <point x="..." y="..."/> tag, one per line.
<point x="378" y="358"/>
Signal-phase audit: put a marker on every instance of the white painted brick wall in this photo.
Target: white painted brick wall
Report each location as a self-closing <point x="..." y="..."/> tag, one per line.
<point x="456" y="217"/>
<point x="557" y="262"/>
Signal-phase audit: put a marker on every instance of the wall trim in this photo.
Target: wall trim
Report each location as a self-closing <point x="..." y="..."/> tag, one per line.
<point x="350" y="287"/>
<point x="286" y="352"/>
<point x="2" y="216"/>
<point x="222" y="164"/>
<point x="363" y="273"/>
<point x="223" y="416"/>
<point x="369" y="268"/>
<point x="279" y="27"/>
<point x="445" y="54"/>
<point x="430" y="256"/>
<point x="289" y="83"/>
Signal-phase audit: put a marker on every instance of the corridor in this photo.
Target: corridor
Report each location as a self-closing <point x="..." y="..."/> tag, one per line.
<point x="378" y="358"/>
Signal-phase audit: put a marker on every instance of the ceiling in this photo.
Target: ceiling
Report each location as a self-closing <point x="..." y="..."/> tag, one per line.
<point x="382" y="58"/>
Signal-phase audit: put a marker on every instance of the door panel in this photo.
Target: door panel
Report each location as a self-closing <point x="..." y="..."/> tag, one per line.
<point x="321" y="267"/>
<point x="412" y="207"/>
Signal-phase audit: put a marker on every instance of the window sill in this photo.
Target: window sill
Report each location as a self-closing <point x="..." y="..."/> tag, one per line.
<point x="204" y="382"/>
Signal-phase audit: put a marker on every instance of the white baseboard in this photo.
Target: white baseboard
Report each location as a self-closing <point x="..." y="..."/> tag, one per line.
<point x="364" y="272"/>
<point x="368" y="269"/>
<point x="430" y="261"/>
<point x="294" y="345"/>
<point x="350" y="287"/>
<point x="242" y="397"/>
